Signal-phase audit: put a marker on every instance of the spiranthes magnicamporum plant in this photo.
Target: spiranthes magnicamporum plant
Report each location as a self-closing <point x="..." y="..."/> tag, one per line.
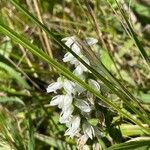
<point x="82" y="111"/>
<point x="78" y="106"/>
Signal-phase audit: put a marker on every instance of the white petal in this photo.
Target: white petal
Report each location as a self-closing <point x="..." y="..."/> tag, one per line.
<point x="94" y="84"/>
<point x="91" y="41"/>
<point x="69" y="40"/>
<point x="90" y="98"/>
<point x="68" y="57"/>
<point x="53" y="87"/>
<point x="78" y="71"/>
<point x="88" y="130"/>
<point x="73" y="127"/>
<point x="76" y="48"/>
<point x="65" y="115"/>
<point x="68" y="86"/>
<point x="67" y="101"/>
<point x="66" y="39"/>
<point x="57" y="100"/>
<point x="83" y="105"/>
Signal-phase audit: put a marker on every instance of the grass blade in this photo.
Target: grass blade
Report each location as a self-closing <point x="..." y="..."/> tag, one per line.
<point x="134" y="144"/>
<point x="133" y="34"/>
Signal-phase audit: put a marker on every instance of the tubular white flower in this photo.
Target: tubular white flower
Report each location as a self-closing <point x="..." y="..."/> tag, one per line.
<point x="88" y="130"/>
<point x="69" y="40"/>
<point x="65" y="115"/>
<point x="63" y="101"/>
<point x="79" y="89"/>
<point x="68" y="57"/>
<point x="57" y="100"/>
<point x="82" y="66"/>
<point x="78" y="71"/>
<point x="82" y="141"/>
<point x="75" y="48"/>
<point x="61" y="83"/>
<point x="67" y="101"/>
<point x="73" y="126"/>
<point x="55" y="86"/>
<point x="95" y="85"/>
<point x="83" y="105"/>
<point x="69" y="86"/>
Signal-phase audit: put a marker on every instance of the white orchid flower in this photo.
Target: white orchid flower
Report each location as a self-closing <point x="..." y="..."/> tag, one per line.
<point x="94" y="84"/>
<point x="61" y="83"/>
<point x="63" y="101"/>
<point x="83" y="105"/>
<point x="73" y="126"/>
<point x="57" y="100"/>
<point x="69" y="86"/>
<point x="69" y="40"/>
<point x="88" y="130"/>
<point x="68" y="57"/>
<point x="53" y="87"/>
<point x="66" y="115"/>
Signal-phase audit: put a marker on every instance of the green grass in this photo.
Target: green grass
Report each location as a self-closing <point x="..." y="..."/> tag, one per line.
<point x="32" y="58"/>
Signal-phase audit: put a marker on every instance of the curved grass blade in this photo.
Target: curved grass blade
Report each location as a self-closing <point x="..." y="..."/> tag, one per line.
<point x="6" y="99"/>
<point x="134" y="144"/>
<point x="36" y="51"/>
<point x="131" y="130"/>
